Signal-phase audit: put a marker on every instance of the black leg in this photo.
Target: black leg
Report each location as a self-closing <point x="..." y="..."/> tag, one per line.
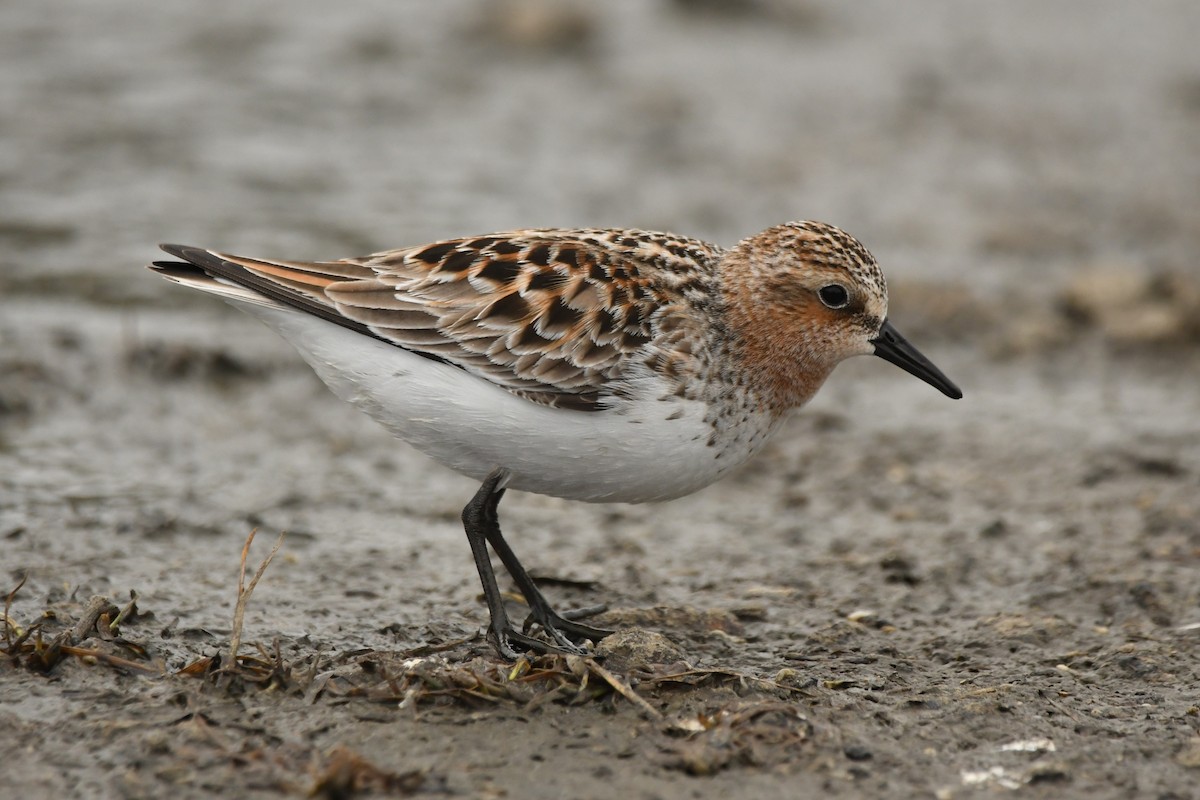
<point x="477" y="516"/>
<point x="482" y="524"/>
<point x="557" y="626"/>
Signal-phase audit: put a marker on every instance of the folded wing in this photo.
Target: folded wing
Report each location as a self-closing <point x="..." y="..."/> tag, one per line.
<point x="549" y="315"/>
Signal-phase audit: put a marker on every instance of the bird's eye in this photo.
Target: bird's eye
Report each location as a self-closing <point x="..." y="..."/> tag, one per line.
<point x="834" y="295"/>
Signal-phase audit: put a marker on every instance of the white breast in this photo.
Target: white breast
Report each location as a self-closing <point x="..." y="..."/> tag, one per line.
<point x="640" y="450"/>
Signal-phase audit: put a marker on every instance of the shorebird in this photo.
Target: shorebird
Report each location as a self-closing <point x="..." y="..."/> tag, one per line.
<point x="596" y="365"/>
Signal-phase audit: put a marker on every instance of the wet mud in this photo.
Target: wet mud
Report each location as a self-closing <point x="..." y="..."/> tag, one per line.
<point x="902" y="596"/>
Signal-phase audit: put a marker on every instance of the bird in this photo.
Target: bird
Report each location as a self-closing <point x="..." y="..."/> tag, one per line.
<point x="598" y="365"/>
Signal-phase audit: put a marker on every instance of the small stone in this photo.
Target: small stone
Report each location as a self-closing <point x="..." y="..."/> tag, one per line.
<point x="538" y="26"/>
<point x="1131" y="307"/>
<point x="637" y="647"/>
<point x="857" y="752"/>
<point x="995" y="529"/>
<point x="1189" y="755"/>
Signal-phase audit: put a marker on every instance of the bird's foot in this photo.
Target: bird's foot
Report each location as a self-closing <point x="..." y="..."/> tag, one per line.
<point x="508" y="640"/>
<point x="563" y="628"/>
<point x="511" y="644"/>
<point x="565" y="634"/>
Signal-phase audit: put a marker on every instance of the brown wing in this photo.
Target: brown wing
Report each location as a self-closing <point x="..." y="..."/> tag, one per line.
<point x="550" y="315"/>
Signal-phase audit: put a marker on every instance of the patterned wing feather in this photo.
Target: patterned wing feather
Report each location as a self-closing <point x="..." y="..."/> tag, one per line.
<point x="551" y="315"/>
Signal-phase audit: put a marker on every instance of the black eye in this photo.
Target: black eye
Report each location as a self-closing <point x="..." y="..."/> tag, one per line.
<point x="834" y="295"/>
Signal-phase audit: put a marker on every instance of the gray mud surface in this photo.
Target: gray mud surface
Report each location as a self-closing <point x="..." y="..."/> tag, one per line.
<point x="903" y="596"/>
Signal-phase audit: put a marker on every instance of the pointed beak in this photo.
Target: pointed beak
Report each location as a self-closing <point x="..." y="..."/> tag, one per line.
<point x="891" y="346"/>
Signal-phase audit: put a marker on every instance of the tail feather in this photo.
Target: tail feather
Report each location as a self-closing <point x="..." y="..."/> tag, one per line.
<point x="272" y="283"/>
<point x="194" y="277"/>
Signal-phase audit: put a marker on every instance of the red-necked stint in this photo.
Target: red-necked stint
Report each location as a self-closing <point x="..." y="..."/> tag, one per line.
<point x="597" y="365"/>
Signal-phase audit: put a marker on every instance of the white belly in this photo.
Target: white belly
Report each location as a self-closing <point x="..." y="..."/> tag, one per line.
<point x="629" y="453"/>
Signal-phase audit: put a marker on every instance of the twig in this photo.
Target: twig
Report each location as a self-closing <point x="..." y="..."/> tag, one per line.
<point x="9" y="627"/>
<point x="22" y="636"/>
<point x="429" y="649"/>
<point x="116" y="661"/>
<point x="244" y="592"/>
<point x="96" y="606"/>
<point x="1074" y="717"/>
<point x="312" y="670"/>
<point x="624" y="688"/>
<point x="758" y="709"/>
<point x="130" y="608"/>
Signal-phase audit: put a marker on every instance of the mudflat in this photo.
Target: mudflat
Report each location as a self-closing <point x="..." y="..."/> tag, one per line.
<point x="902" y="596"/>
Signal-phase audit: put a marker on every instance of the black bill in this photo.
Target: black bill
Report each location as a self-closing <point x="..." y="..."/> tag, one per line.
<point x="891" y="346"/>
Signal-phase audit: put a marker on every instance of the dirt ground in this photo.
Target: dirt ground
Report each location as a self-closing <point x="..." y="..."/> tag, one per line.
<point x="904" y="596"/>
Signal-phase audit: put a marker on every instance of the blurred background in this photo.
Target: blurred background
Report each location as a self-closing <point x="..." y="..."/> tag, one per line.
<point x="1027" y="174"/>
<point x="987" y="146"/>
